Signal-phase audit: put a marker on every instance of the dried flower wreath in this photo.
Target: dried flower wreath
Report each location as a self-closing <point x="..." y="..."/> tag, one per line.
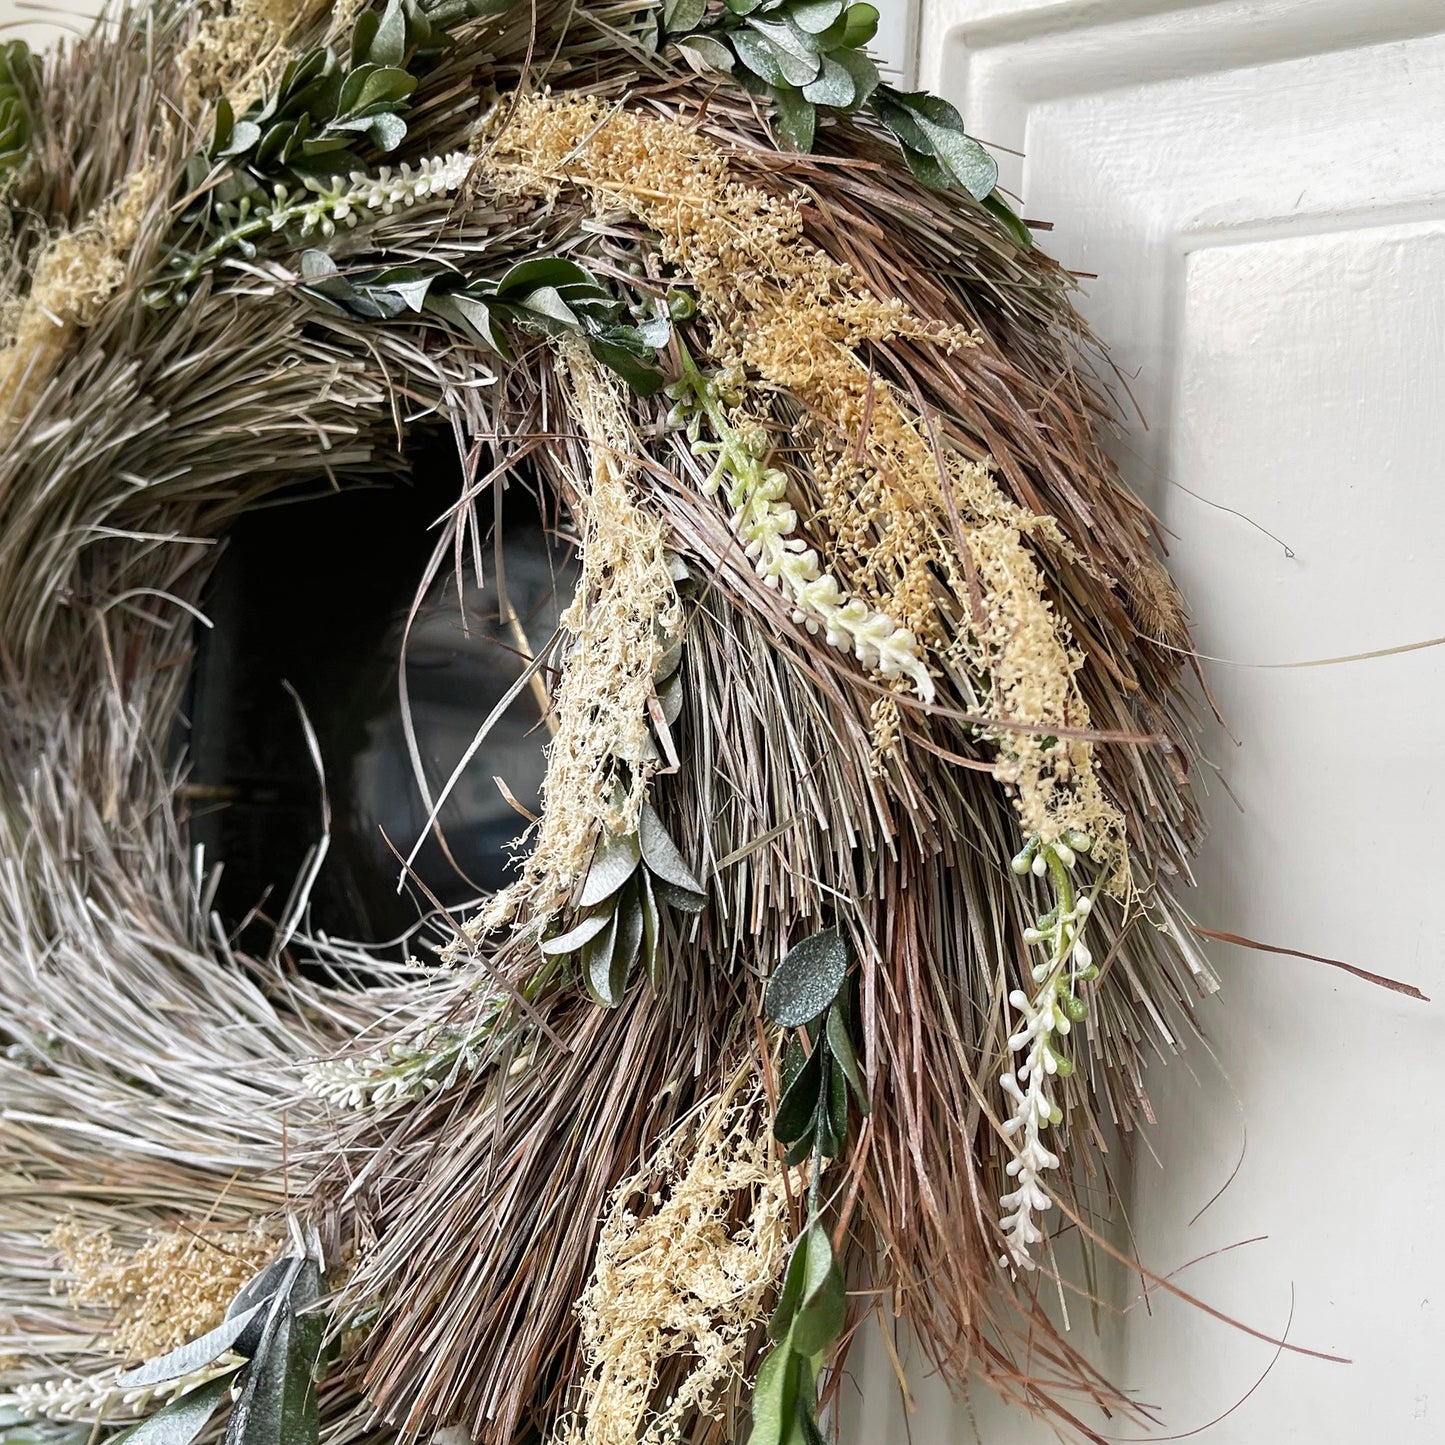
<point x="830" y="967"/>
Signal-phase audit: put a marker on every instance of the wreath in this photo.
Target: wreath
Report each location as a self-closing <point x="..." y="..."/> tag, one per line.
<point x="727" y="390"/>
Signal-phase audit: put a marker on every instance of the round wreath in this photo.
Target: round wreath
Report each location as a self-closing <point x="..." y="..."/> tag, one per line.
<point x="829" y="966"/>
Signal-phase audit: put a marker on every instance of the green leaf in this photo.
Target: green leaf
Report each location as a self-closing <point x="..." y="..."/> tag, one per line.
<point x="547" y="301"/>
<point x="682" y="899"/>
<point x="860" y="25"/>
<point x="968" y="162"/>
<point x="349" y="101"/>
<point x="841" y="1047"/>
<point x="834" y="86"/>
<point x="613" y="864"/>
<point x="388" y="45"/>
<point x="743" y="7"/>
<point x="670" y="699"/>
<point x="645" y="380"/>
<point x="775" y="1397"/>
<point x="712" y="53"/>
<point x="387" y="132"/>
<point x="1008" y="218"/>
<point x="597" y="965"/>
<point x="527" y="276"/>
<point x="863" y="72"/>
<point x="385" y="87"/>
<point x="787" y="39"/>
<point x="575" y="937"/>
<point x="800" y="1100"/>
<point x="180" y="1421"/>
<point x="808" y="979"/>
<point x="928" y="170"/>
<point x="243" y="136"/>
<point x="651" y="931"/>
<point x="631" y="925"/>
<point x="791" y="68"/>
<point x="815" y="16"/>
<point x="791" y="1294"/>
<point x="660" y="853"/>
<point x="278" y="1405"/>
<point x="222" y="126"/>
<point x="796" y="120"/>
<point x="757" y="55"/>
<point x="837" y="1112"/>
<point x="680" y="16"/>
<point x="362" y="34"/>
<point x="189" y="1357"/>
<point x="824" y="1301"/>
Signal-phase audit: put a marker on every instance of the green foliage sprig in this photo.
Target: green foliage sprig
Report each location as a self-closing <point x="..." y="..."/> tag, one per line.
<point x="274" y="1332"/>
<point x="17" y="90"/>
<point x="548" y="295"/>
<point x="808" y="992"/>
<point x="811" y="54"/>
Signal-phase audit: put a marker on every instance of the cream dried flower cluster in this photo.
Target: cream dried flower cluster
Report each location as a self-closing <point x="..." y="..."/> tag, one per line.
<point x="177" y="1286"/>
<point x="686" y="1265"/>
<point x="795" y="318"/>
<point x="92" y="1398"/>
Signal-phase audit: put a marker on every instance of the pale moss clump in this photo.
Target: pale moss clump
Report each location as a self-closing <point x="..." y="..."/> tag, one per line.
<point x="687" y="1262"/>
<point x="894" y="501"/>
<point x="174" y="1288"/>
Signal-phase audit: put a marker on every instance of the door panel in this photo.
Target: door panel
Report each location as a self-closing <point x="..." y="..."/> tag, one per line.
<point x="1260" y="189"/>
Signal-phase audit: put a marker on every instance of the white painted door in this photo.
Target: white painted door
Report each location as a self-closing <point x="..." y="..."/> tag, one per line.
<point x="1260" y="187"/>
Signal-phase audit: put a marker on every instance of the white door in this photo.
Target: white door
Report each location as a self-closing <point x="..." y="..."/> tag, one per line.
<point x="1259" y="186"/>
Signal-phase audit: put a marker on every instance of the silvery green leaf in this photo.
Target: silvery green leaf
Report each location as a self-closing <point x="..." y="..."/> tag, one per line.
<point x="799" y="1102"/>
<point x="655" y="331"/>
<point x="554" y="271"/>
<point x="860" y="25"/>
<point x="614" y="863"/>
<point x="815" y="16"/>
<point x="712" y="54"/>
<point x="388" y="44"/>
<point x="742" y="7"/>
<point x="758" y="56"/>
<point x="775" y="1398"/>
<point x="808" y="979"/>
<point x="316" y="265"/>
<point x="840" y="1045"/>
<point x="597" y="965"/>
<point x="546" y="301"/>
<point x="834" y="86"/>
<point x="685" y="900"/>
<point x="244" y="135"/>
<point x="824" y="1302"/>
<point x="680" y="16"/>
<point x="965" y="159"/>
<point x="677" y="569"/>
<point x="387" y="132"/>
<point x="574" y="938"/>
<point x="651" y="929"/>
<point x="193" y="1356"/>
<point x="795" y="69"/>
<point x="668" y="663"/>
<point x="796" y="119"/>
<point x="669" y="697"/>
<point x="865" y="74"/>
<point x="180" y="1421"/>
<point x="787" y="39"/>
<point x="660" y="853"/>
<point x="631" y="925"/>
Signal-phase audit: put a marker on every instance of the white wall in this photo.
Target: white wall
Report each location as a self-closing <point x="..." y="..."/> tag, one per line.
<point x="1259" y="188"/>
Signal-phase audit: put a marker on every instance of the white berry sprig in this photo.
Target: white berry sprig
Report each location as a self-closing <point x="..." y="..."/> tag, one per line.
<point x="1045" y="1017"/>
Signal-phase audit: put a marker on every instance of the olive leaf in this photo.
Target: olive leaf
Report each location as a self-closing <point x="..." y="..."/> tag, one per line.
<point x="614" y="863"/>
<point x="808" y="979"/>
<point x="182" y="1419"/>
<point x="188" y="1358"/>
<point x="661" y="854"/>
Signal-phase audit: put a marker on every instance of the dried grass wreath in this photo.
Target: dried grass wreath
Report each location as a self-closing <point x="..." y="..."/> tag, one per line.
<point x="829" y="966"/>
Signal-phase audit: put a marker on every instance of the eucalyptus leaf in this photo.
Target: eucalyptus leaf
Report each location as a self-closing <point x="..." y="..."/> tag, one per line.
<point x="795" y="68"/>
<point x="631" y="925"/>
<point x="815" y="16"/>
<point x="808" y="979"/>
<point x="800" y="1100"/>
<point x="547" y="301"/>
<point x="758" y="56"/>
<point x="1000" y="209"/>
<point x="597" y="965"/>
<point x="575" y="937"/>
<point x="181" y="1420"/>
<point x="386" y="86"/>
<point x="712" y="53"/>
<point x="685" y="900"/>
<point x="823" y="1304"/>
<point x="387" y="132"/>
<point x="796" y="119"/>
<point x="841" y="1047"/>
<point x="860" y="25"/>
<point x="834" y="86"/>
<point x="554" y="271"/>
<point x="244" y="134"/>
<point x="788" y="39"/>
<point x="743" y="7"/>
<point x="613" y="864"/>
<point x="775" y="1397"/>
<point x="190" y="1357"/>
<point x="670" y="699"/>
<point x="863" y="71"/>
<point x="660" y="853"/>
<point x="965" y="158"/>
<point x="651" y="931"/>
<point x="388" y="45"/>
<point x="837" y="1107"/>
<point x="680" y="16"/>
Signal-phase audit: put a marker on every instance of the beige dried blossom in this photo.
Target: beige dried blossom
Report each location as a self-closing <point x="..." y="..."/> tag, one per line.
<point x="620" y="620"/>
<point x="783" y="311"/>
<point x="174" y="1288"/>
<point x="239" y="45"/>
<point x="687" y="1262"/>
<point x="74" y="277"/>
